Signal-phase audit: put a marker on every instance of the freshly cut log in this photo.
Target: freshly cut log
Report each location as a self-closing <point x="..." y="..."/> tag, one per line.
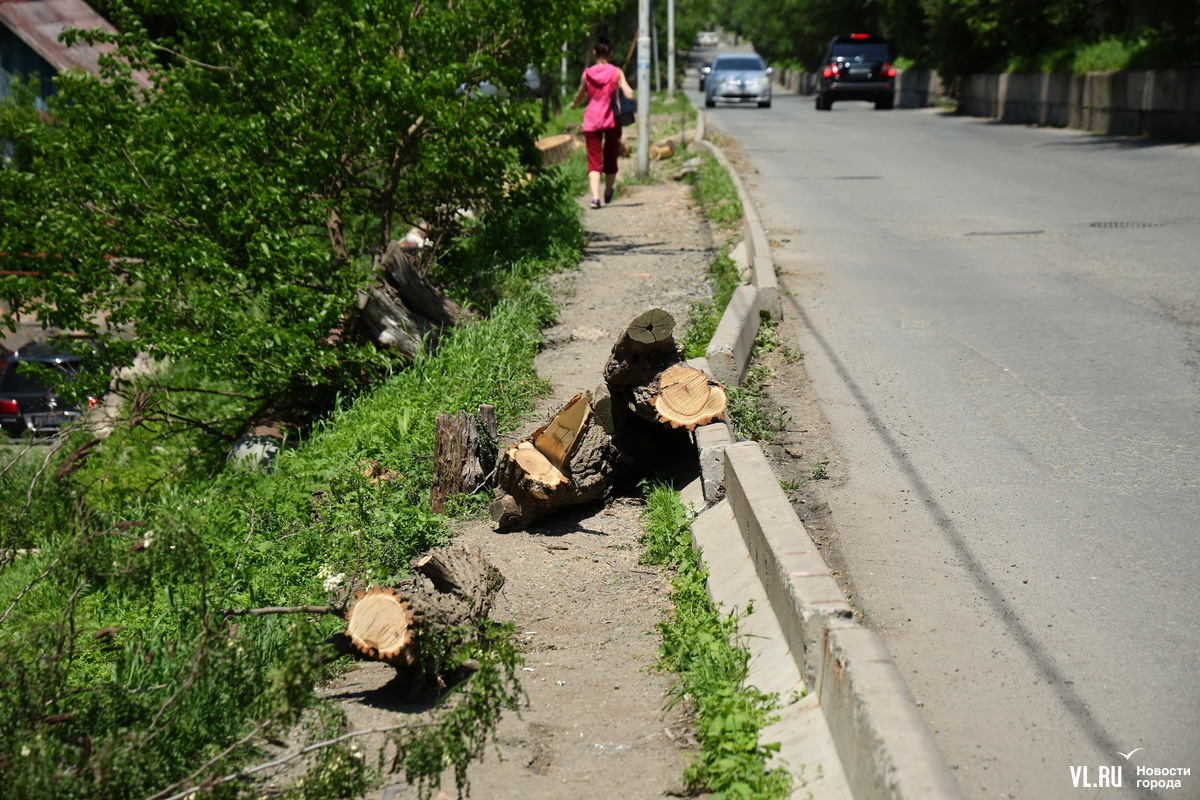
<point x="556" y="149"/>
<point x="464" y="454"/>
<point x="645" y="348"/>
<point x="379" y="625"/>
<point x="665" y="150"/>
<point x="566" y="462"/>
<point x="416" y="624"/>
<point x="681" y="397"/>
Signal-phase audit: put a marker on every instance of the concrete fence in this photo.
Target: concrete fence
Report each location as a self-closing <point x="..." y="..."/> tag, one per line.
<point x="1163" y="104"/>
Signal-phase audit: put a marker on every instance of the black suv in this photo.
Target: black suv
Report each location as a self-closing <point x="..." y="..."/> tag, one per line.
<point x="857" y="66"/>
<point x="27" y="404"/>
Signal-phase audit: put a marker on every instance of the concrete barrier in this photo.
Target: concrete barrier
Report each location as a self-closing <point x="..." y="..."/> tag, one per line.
<point x="1164" y="104"/>
<point x="729" y="350"/>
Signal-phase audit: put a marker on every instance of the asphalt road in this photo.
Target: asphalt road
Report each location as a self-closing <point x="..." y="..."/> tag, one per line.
<point x="1003" y="326"/>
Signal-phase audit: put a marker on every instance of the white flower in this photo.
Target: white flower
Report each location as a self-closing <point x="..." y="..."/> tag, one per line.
<point x="25" y="751"/>
<point x="333" y="582"/>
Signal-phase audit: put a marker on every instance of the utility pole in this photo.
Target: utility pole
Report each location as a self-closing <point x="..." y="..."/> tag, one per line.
<point x="643" y="85"/>
<point x="670" y="48"/>
<point x="562" y="83"/>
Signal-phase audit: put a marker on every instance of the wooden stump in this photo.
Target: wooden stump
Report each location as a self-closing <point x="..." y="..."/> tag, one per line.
<point x="681" y="397"/>
<point x="645" y="348"/>
<point x="401" y="308"/>
<point x="464" y="454"/>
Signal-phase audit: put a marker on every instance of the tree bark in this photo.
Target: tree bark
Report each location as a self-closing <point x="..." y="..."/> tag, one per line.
<point x="645" y="348"/>
<point x="389" y="321"/>
<point x="417" y="293"/>
<point x="464" y="454"/>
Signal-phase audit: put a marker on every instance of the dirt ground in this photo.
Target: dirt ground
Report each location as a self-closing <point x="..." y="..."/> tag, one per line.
<point x="585" y="610"/>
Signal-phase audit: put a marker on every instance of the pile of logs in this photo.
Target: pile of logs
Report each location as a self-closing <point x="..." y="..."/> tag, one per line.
<point x="648" y="397"/>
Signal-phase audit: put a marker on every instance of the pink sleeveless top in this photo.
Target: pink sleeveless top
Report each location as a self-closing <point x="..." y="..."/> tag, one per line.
<point x="602" y="82"/>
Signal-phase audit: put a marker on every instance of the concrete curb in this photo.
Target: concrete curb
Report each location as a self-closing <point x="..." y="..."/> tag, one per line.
<point x="883" y="744"/>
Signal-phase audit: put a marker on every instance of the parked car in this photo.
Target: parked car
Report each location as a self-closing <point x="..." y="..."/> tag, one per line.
<point x="707" y="39"/>
<point x="740" y="77"/>
<point x="857" y="66"/>
<point x="26" y="403"/>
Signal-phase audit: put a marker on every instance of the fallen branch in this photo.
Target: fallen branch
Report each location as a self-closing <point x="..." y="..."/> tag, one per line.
<point x="237" y="612"/>
<point x="245" y="773"/>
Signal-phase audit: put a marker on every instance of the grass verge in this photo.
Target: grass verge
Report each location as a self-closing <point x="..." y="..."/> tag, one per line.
<point x="701" y="646"/>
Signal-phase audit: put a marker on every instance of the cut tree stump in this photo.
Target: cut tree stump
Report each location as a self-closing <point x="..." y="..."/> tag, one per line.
<point x="566" y="462"/>
<point x="464" y="454"/>
<point x="416" y="624"/>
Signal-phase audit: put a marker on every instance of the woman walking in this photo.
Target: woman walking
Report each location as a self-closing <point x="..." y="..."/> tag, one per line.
<point x="601" y="82"/>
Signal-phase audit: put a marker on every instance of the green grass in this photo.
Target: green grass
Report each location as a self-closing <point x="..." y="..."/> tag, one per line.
<point x="701" y="646"/>
<point x="716" y="193"/>
<point x="119" y="674"/>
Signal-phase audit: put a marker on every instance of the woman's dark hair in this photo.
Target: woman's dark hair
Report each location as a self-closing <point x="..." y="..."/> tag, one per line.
<point x="603" y="48"/>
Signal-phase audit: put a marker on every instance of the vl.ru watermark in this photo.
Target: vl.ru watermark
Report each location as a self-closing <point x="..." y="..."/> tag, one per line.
<point x="1114" y="776"/>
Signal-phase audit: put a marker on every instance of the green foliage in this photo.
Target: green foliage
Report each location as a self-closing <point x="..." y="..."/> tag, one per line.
<point x="960" y="37"/>
<point x="469" y="719"/>
<point x="750" y="408"/>
<point x="705" y="315"/>
<point x="233" y="207"/>
<point x="145" y="550"/>
<point x="716" y="193"/>
<point x="798" y="30"/>
<point x="702" y="647"/>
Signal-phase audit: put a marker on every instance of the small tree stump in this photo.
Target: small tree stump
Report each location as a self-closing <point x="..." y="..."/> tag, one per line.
<point x="464" y="454"/>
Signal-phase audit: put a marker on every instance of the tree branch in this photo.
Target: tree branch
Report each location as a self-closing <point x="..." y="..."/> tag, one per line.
<point x="236" y="612"/>
<point x="245" y="773"/>
<point x="191" y="61"/>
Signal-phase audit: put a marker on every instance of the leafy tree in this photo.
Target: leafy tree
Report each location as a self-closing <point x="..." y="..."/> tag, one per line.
<point x="217" y="195"/>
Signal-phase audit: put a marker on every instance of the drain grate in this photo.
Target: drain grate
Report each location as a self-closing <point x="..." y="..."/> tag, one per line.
<point x="1127" y="224"/>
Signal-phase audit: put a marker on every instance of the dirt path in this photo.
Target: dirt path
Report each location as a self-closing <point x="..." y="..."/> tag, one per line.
<point x="586" y="611"/>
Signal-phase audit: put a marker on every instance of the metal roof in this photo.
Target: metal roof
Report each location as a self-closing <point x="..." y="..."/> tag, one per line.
<point x="38" y="24"/>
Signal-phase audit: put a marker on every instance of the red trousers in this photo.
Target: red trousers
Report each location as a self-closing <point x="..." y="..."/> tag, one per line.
<point x="603" y="147"/>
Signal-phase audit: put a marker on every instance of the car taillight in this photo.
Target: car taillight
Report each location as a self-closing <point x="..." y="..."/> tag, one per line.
<point x="857" y="36"/>
<point x="92" y="401"/>
<point x="889" y="70"/>
<point x="830" y="70"/>
<point x="9" y="407"/>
